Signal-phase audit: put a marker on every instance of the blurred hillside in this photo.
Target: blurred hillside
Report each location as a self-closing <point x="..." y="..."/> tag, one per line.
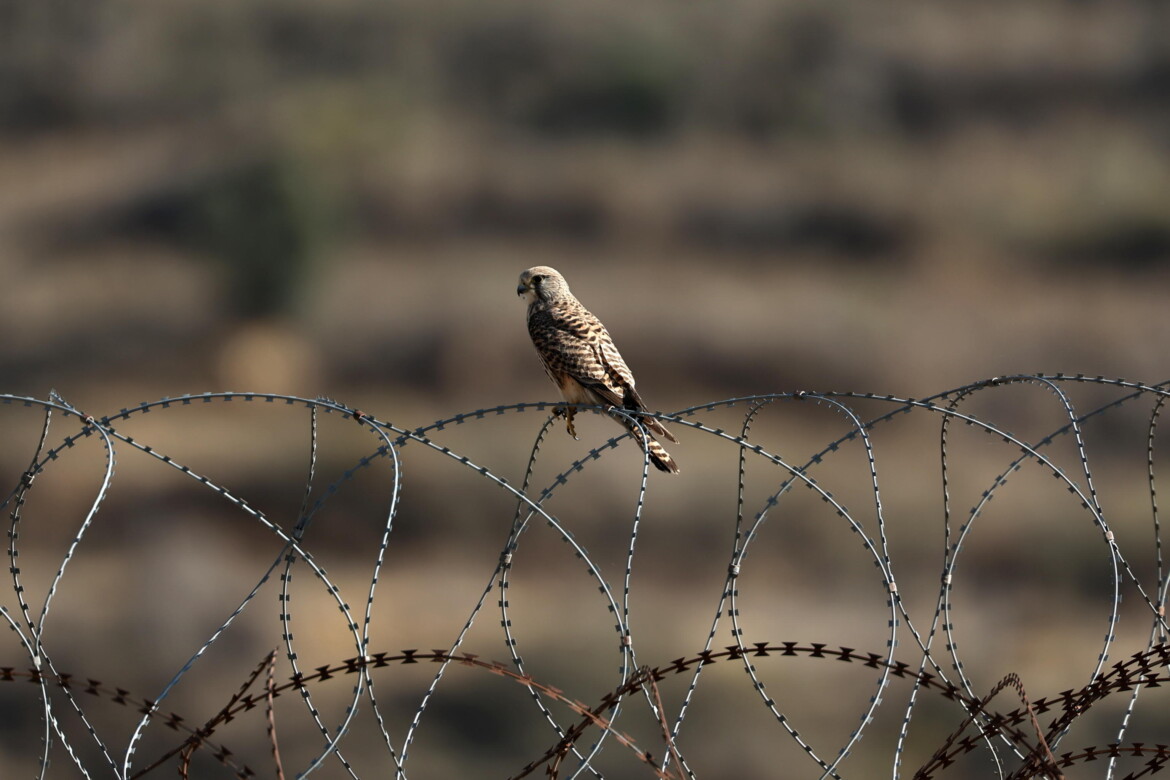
<point x="336" y="199"/>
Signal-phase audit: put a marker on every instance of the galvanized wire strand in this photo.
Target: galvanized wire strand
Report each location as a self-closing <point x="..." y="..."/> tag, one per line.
<point x="591" y="568"/>
<point x="292" y="549"/>
<point x="379" y="562"/>
<point x="904" y="405"/>
<point x="416" y="722"/>
<point x="519" y="523"/>
<point x="740" y="555"/>
<point x="799" y="475"/>
<point x="988" y="494"/>
<point x="404" y="436"/>
<point x="892" y="601"/>
<point x="49" y="718"/>
<point x="886" y="566"/>
<point x="745" y="446"/>
<point x="836" y="445"/>
<point x="1158" y="627"/>
<point x="303" y="520"/>
<point x="518" y="527"/>
<point x="1094" y="506"/>
<point x="1158" y="630"/>
<point x="1115" y="557"/>
<point x="105" y="428"/>
<point x="952" y="552"/>
<point x="1139" y="669"/>
<point x="86" y="523"/>
<point x="1074" y="426"/>
<point x="365" y="679"/>
<point x="622" y="627"/>
<point x="36" y="653"/>
<point x="532" y="504"/>
<point x="928" y="403"/>
<point x="40" y="658"/>
<point x="732" y="572"/>
<point x="1032" y="452"/>
<point x="285" y="596"/>
<point x="17" y="497"/>
<point x="944" y="587"/>
<point x="1107" y="534"/>
<point x="500" y="570"/>
<point x="629" y="657"/>
<point x="1028" y="452"/>
<point x="828" y="769"/>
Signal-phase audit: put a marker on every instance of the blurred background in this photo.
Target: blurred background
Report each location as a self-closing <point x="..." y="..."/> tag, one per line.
<point x="336" y="199"/>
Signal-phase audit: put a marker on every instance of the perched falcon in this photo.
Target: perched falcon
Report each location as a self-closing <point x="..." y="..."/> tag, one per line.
<point x="582" y="361"/>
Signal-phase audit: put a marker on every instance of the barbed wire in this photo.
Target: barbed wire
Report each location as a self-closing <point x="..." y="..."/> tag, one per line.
<point x="627" y="723"/>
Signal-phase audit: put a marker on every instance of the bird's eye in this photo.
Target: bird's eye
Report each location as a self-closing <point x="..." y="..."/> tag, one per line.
<point x="537" y="279"/>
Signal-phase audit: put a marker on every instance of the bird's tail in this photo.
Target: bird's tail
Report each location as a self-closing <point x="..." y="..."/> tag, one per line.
<point x="658" y="429"/>
<point x="658" y="454"/>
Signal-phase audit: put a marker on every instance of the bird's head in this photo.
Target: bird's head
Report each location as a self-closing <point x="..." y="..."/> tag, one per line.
<point x="542" y="285"/>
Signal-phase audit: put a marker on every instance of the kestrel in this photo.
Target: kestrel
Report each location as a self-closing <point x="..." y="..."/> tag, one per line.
<point x="582" y="361"/>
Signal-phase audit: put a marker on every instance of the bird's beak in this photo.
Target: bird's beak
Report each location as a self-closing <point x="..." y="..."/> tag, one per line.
<point x="521" y="289"/>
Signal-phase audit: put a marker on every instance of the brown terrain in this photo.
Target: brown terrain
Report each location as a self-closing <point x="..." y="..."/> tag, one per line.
<point x="335" y="199"/>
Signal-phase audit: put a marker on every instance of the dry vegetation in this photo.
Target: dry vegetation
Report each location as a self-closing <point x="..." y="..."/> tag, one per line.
<point x="336" y="198"/>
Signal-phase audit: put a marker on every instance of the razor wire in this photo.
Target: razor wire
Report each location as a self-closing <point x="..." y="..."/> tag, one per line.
<point x="1000" y="726"/>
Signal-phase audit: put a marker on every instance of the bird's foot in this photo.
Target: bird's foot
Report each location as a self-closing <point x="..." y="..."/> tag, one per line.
<point x="568" y="411"/>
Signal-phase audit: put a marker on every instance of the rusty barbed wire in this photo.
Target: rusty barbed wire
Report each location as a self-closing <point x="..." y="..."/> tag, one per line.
<point x="1070" y="704"/>
<point x="1015" y="743"/>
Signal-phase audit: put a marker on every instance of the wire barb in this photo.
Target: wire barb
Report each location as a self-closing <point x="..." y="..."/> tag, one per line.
<point x="922" y="604"/>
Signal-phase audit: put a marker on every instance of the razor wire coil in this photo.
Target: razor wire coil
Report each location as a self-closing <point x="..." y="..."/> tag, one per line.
<point x="1000" y="724"/>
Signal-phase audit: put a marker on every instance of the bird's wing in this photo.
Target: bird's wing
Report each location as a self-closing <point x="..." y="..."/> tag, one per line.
<point x="571" y="341"/>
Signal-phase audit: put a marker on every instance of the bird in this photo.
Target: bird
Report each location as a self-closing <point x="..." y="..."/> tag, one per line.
<point x="581" y="359"/>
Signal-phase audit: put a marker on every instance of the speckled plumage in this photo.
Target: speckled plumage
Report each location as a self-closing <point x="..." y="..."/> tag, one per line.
<point x="581" y="359"/>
